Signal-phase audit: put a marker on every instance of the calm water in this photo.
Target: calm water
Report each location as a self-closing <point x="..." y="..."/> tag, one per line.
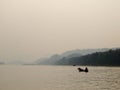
<point x="58" y="78"/>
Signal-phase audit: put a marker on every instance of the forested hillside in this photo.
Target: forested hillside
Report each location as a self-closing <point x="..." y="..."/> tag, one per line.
<point x="108" y="58"/>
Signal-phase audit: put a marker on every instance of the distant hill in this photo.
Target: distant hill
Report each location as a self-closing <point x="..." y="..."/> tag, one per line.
<point x="16" y="62"/>
<point x="57" y="59"/>
<point x="48" y="61"/>
<point x="2" y="63"/>
<point x="107" y="58"/>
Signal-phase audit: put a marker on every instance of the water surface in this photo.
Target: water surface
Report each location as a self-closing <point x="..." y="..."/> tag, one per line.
<point x="58" y="78"/>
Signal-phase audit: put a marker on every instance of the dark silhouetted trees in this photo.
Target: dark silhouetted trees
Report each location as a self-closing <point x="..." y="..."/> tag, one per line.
<point x="108" y="58"/>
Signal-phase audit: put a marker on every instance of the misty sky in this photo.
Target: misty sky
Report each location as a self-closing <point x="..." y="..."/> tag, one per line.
<point x="30" y="29"/>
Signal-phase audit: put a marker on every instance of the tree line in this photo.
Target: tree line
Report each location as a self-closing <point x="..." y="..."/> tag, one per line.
<point x="107" y="58"/>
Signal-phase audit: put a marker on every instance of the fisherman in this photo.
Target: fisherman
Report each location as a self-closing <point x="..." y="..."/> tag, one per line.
<point x="86" y="69"/>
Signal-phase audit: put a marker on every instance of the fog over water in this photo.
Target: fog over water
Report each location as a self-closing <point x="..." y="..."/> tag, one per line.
<point x="30" y="29"/>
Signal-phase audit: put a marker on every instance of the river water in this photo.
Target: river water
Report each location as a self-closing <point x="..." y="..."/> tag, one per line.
<point x="58" y="78"/>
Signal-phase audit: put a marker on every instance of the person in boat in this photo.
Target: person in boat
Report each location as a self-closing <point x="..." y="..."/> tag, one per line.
<point x="86" y="69"/>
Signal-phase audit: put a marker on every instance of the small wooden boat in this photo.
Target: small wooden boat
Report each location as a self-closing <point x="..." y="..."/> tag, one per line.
<point x="83" y="70"/>
<point x="74" y="65"/>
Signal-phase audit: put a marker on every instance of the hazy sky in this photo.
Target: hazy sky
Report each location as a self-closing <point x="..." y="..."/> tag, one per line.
<point x="30" y="29"/>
